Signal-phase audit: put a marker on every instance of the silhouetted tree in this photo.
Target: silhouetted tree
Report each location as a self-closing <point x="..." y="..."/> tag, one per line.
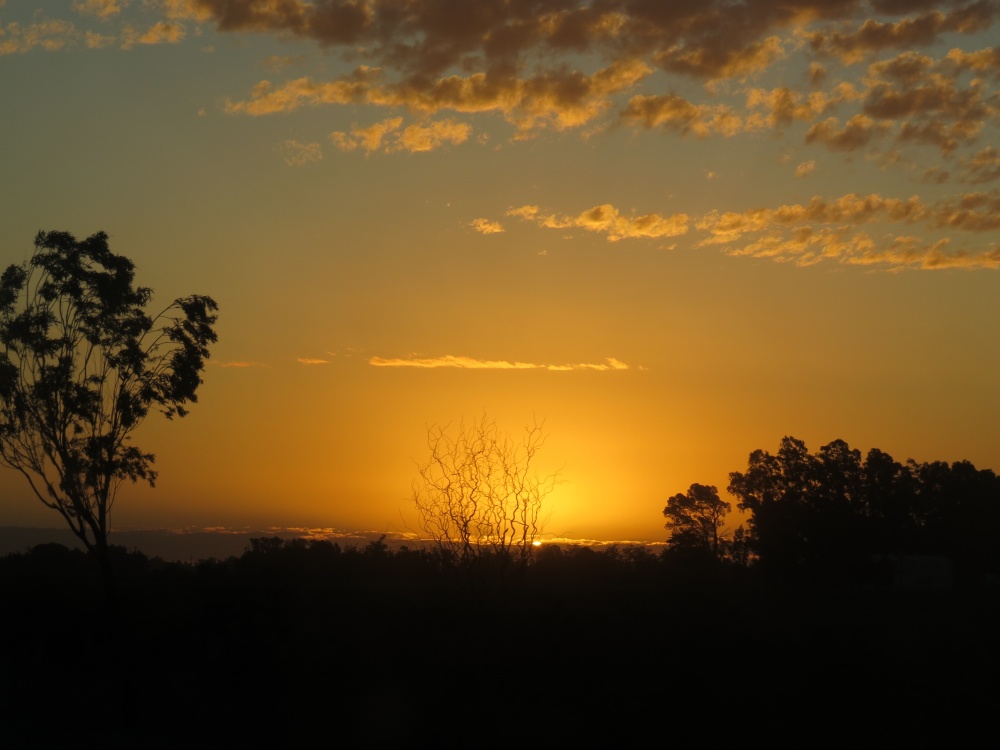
<point x="695" y="519"/>
<point x="81" y="366"/>
<point x="478" y="495"/>
<point x="827" y="513"/>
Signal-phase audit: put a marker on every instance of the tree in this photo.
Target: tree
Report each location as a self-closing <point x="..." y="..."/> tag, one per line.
<point x="81" y="366"/>
<point x="477" y="495"/>
<point x="695" y="519"/>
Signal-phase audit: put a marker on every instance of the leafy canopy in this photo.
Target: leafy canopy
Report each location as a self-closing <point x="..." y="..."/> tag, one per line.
<point x="81" y="366"/>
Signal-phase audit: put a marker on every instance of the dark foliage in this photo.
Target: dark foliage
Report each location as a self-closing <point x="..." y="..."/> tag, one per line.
<point x="81" y="366"/>
<point x="827" y="516"/>
<point x="298" y="640"/>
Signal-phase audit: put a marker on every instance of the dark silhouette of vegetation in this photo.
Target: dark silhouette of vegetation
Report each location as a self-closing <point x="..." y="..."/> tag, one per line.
<point x="829" y="515"/>
<point x="298" y="639"/>
<point x="81" y="366"/>
<point x="695" y="520"/>
<point x="478" y="496"/>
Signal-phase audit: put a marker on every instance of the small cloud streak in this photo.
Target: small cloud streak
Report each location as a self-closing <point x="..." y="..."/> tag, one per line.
<point x="485" y="226"/>
<point x="311" y="361"/>
<point x="469" y="363"/>
<point x="239" y="364"/>
<point x="805" y="168"/>
<point x="389" y="136"/>
<point x="608" y="220"/>
<point x="100" y="8"/>
<point x="299" y="154"/>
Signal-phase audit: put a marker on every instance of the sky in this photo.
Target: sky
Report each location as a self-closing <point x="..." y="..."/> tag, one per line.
<point x="671" y="233"/>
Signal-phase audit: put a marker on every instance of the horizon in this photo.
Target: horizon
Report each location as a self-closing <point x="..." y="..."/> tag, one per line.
<point x="671" y="235"/>
<point x="195" y="544"/>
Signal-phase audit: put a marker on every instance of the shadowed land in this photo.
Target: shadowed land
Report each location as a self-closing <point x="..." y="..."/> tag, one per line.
<point x="297" y="640"/>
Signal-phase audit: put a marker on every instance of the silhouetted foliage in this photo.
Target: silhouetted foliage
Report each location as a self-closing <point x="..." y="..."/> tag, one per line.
<point x="300" y="637"/>
<point x="82" y="364"/>
<point x="824" y="515"/>
<point x="695" y="520"/>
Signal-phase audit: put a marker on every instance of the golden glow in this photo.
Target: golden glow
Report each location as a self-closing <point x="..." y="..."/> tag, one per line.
<point x="674" y="248"/>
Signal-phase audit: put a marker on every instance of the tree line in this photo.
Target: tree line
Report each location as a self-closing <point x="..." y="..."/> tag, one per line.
<point x="833" y="514"/>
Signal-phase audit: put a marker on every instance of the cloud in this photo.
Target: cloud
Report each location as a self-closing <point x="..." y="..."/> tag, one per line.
<point x="100" y="8"/>
<point x="267" y="99"/>
<point x="857" y="133"/>
<point x="560" y="99"/>
<point x="714" y="61"/>
<point x="299" y="154"/>
<point x="485" y="226"/>
<point x="310" y="361"/>
<point x="606" y="219"/>
<point x="94" y="40"/>
<point x="784" y="106"/>
<point x="673" y="112"/>
<point x="469" y="363"/>
<point x="574" y="65"/>
<point x="163" y="32"/>
<point x="828" y="230"/>
<point x="387" y="136"/>
<point x="370" y="138"/>
<point x="825" y="230"/>
<point x="805" y="168"/>
<point x="983" y="167"/>
<point x="239" y="364"/>
<point x="47" y="35"/>
<point x="875" y="36"/>
<point x="928" y="98"/>
<point x="279" y="62"/>
<point x="427" y="137"/>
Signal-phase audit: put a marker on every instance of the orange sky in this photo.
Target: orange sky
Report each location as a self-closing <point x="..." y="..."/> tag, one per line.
<point x="674" y="231"/>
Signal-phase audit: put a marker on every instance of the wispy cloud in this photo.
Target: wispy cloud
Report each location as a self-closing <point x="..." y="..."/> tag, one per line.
<point x="389" y="136"/>
<point x="99" y="8"/>
<point x="312" y="361"/>
<point x="238" y="363"/>
<point x="485" y="226"/>
<point x="299" y="154"/>
<point x="805" y="168"/>
<point x="820" y="230"/>
<point x="48" y="35"/>
<point x="470" y="363"/>
<point x="606" y="219"/>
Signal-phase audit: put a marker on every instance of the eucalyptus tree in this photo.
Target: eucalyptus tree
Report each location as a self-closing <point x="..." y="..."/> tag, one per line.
<point x="695" y="520"/>
<point x="82" y="364"/>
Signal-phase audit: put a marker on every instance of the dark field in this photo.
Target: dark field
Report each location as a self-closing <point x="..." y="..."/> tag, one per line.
<point x="303" y="644"/>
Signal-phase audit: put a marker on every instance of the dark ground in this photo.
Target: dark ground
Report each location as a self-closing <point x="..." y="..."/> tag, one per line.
<point x="319" y="647"/>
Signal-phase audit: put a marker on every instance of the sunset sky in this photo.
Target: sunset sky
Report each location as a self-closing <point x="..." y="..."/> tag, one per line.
<point x="674" y="231"/>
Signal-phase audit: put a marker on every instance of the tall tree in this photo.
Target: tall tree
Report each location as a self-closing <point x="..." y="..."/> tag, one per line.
<point x="81" y="366"/>
<point x="695" y="519"/>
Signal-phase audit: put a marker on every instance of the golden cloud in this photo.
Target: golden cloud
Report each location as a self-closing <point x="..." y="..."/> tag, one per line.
<point x="48" y="35"/>
<point x="470" y="363"/>
<point x="606" y="219"/>
<point x="485" y="226"/>
<point x="99" y="8"/>
<point x="823" y="229"/>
